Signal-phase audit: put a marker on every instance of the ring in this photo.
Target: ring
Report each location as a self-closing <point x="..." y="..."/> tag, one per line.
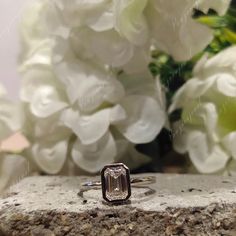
<point x="116" y="182"/>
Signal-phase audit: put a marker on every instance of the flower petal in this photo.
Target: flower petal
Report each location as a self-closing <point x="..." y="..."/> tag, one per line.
<point x="205" y="158"/>
<point x="223" y="62"/>
<point x="226" y="84"/>
<point x="50" y="155"/>
<point x="12" y="169"/>
<point x="93" y="157"/>
<point x="229" y="142"/>
<point x="11" y="118"/>
<point x="174" y="30"/>
<point x="87" y="84"/>
<point x="46" y="102"/>
<point x="117" y="114"/>
<point x="78" y="12"/>
<point x="138" y="83"/>
<point x="52" y="125"/>
<point x="32" y="79"/>
<point x="180" y="135"/>
<point x="130" y="20"/>
<point x="129" y="155"/>
<point x="40" y="19"/>
<point x="139" y="62"/>
<point x="11" y="115"/>
<point x="104" y="21"/>
<point x="108" y="47"/>
<point x="193" y="89"/>
<point x="201" y="114"/>
<point x="231" y="168"/>
<point x="145" y="119"/>
<point x="89" y="128"/>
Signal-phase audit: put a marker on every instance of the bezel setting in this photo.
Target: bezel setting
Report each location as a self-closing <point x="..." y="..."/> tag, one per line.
<point x="115" y="179"/>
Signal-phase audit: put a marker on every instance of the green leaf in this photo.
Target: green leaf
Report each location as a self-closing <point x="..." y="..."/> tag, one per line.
<point x="213" y="21"/>
<point x="229" y="35"/>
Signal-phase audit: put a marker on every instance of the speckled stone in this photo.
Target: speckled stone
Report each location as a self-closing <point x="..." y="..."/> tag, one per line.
<point x="176" y="205"/>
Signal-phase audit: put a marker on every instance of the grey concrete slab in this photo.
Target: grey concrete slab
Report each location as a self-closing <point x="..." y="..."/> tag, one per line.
<point x="178" y="205"/>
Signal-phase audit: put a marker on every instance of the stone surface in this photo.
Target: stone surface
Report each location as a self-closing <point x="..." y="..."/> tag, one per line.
<point x="180" y="205"/>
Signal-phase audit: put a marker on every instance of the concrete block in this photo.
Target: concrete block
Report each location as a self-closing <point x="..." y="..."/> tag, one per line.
<point x="176" y="205"/>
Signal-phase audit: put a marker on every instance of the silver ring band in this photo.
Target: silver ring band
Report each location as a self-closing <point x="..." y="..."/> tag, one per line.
<point x="134" y="180"/>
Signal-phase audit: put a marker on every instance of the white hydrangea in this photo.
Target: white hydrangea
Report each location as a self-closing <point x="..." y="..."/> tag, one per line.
<point x="208" y="128"/>
<point x="12" y="166"/>
<point x="115" y="31"/>
<point x="73" y="97"/>
<point x="86" y="85"/>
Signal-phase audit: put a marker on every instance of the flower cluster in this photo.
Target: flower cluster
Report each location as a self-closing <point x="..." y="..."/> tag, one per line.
<point x="208" y="128"/>
<point x="12" y="166"/>
<point x="87" y="90"/>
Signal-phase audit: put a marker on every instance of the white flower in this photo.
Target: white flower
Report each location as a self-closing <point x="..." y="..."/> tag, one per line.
<point x="10" y="116"/>
<point x="41" y="20"/>
<point x="97" y="87"/>
<point x="86" y="85"/>
<point x="113" y="30"/>
<point x="12" y="166"/>
<point x="208" y="128"/>
<point x="46" y="100"/>
<point x="107" y="47"/>
<point x="173" y="29"/>
<point x="120" y="33"/>
<point x="12" y="169"/>
<point x="130" y="20"/>
<point x="89" y="102"/>
<point x="97" y="14"/>
<point x="220" y="6"/>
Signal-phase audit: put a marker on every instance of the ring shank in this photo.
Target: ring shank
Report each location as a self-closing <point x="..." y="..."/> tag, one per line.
<point x="143" y="180"/>
<point x="134" y="180"/>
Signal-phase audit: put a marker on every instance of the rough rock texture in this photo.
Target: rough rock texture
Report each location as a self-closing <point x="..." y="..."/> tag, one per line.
<point x="180" y="205"/>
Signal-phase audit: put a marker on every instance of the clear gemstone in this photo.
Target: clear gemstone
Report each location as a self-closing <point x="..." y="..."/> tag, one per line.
<point x="116" y="183"/>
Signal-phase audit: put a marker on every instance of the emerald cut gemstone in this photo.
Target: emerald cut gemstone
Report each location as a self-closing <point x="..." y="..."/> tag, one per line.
<point x="116" y="183"/>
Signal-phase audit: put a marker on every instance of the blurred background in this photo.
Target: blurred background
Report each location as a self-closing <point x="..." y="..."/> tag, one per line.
<point x="173" y="75"/>
<point x="10" y="13"/>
